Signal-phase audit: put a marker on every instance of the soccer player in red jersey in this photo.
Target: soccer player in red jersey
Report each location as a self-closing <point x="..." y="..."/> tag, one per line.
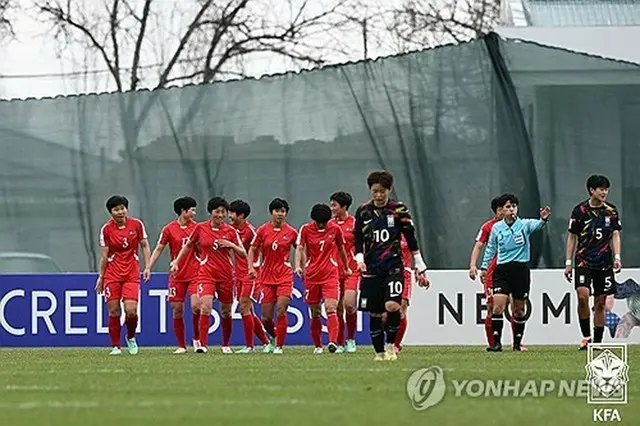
<point x="274" y="240"/>
<point x="119" y="270"/>
<point x="216" y="241"/>
<point x="321" y="239"/>
<point x="176" y="234"/>
<point x="347" y="305"/>
<point x="481" y="241"/>
<point x="409" y="280"/>
<point x="247" y="290"/>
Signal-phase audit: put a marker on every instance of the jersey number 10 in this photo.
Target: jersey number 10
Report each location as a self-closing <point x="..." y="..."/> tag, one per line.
<point x="381" y="235"/>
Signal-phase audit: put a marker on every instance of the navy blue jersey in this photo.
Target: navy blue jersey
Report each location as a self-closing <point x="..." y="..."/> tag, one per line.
<point x="378" y="232"/>
<point x="594" y="227"/>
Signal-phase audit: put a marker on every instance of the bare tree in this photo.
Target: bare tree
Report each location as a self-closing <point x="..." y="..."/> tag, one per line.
<point x="425" y="23"/>
<point x="196" y="41"/>
<point x="5" y="22"/>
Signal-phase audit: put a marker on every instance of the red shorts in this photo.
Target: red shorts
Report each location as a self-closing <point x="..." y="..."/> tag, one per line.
<point x="409" y="280"/>
<point x="178" y="290"/>
<point x="118" y="290"/>
<point x="315" y="293"/>
<point x="221" y="290"/>
<point x="271" y="292"/>
<point x="352" y="282"/>
<point x="250" y="289"/>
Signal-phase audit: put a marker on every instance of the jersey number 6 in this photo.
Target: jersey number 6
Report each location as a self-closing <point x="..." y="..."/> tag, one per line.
<point x="274" y="246"/>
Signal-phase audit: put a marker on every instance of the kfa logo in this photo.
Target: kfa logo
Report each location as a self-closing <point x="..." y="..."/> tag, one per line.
<point x="608" y="378"/>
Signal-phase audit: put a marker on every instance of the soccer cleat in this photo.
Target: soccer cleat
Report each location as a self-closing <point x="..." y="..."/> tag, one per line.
<point x="278" y="351"/>
<point x="246" y="350"/>
<point x="497" y="347"/>
<point x="180" y="351"/>
<point x="132" y="345"/>
<point x="196" y="344"/>
<point x="115" y="351"/>
<point x="584" y="344"/>
<point x="379" y="357"/>
<point x="227" y="350"/>
<point x="389" y="353"/>
<point x="351" y="346"/>
<point x="269" y="347"/>
<point x="202" y="349"/>
<point x="332" y="347"/>
<point x="340" y="350"/>
<point x="318" y="350"/>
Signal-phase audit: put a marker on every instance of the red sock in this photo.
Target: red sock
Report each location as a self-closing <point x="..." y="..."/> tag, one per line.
<point x="247" y="326"/>
<point x="352" y="319"/>
<point x="114" y="331"/>
<point x="332" y="325"/>
<point x="132" y="324"/>
<point x="196" y="326"/>
<point x="268" y="326"/>
<point x="204" y="330"/>
<point x="227" y="323"/>
<point x="488" y="330"/>
<point x="258" y="328"/>
<point x="178" y="329"/>
<point x="316" y="332"/>
<point x="281" y="333"/>
<point x="341" y="330"/>
<point x="402" y="329"/>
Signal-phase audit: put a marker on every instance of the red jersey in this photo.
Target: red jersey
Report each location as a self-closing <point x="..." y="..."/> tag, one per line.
<point x="347" y="226"/>
<point x="123" y="241"/>
<point x="247" y="234"/>
<point x="483" y="237"/>
<point x="217" y="263"/>
<point x="275" y="245"/>
<point x="322" y="246"/>
<point x="407" y="257"/>
<point x="176" y="236"/>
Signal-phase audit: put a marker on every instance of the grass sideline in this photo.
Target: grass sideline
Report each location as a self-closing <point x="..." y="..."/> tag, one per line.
<point x="86" y="387"/>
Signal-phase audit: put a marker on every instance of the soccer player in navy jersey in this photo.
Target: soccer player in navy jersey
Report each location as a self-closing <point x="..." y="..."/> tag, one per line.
<point x="594" y="229"/>
<point x="380" y="224"/>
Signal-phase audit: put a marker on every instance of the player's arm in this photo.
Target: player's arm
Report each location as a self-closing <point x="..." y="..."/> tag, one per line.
<point x="157" y="251"/>
<point x="298" y="259"/>
<point x="236" y="246"/>
<point x="481" y="241"/>
<point x="251" y="256"/>
<point x="146" y="255"/>
<point x="572" y="241"/>
<point x="491" y="250"/>
<point x="193" y="239"/>
<point x="409" y="232"/>
<point x="616" y="243"/>
<point x="358" y="240"/>
<point x="340" y="243"/>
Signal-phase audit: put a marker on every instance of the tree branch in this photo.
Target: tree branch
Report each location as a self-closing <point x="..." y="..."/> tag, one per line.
<point x="136" y="52"/>
<point x="114" y="26"/>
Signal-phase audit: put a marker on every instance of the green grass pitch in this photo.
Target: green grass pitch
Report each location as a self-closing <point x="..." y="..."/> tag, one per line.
<point x="86" y="387"/>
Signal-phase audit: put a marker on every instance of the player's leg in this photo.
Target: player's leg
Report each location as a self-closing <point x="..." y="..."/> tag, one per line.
<point x="603" y="286"/>
<point x="501" y="291"/>
<point x="248" y="325"/>
<point x="255" y="295"/>
<point x="313" y="298"/>
<point x="372" y="301"/>
<point x="130" y="296"/>
<point x="582" y="279"/>
<point x="409" y="278"/>
<point x="195" y="313"/>
<point x="206" y="292"/>
<point x="331" y="294"/>
<point x="113" y="294"/>
<point x="283" y="292"/>
<point x="512" y="318"/>
<point x="351" y="310"/>
<point x="519" y="293"/>
<point x="267" y="308"/>
<point x="340" y="313"/>
<point x="488" y="294"/>
<point x="393" y="289"/>
<point x="177" y="293"/>
<point x="224" y="293"/>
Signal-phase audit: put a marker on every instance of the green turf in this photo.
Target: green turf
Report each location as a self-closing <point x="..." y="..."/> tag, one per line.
<point x="86" y="387"/>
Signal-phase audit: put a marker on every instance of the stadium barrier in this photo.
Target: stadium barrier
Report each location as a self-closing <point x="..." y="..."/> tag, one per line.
<point x="63" y="310"/>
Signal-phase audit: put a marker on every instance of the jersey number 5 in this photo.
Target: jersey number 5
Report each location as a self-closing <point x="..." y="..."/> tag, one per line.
<point x="395" y="288"/>
<point x="598" y="233"/>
